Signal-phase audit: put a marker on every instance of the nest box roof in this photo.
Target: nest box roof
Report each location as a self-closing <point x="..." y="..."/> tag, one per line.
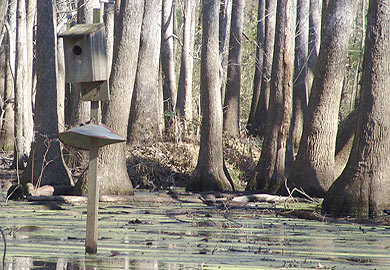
<point x="79" y="30"/>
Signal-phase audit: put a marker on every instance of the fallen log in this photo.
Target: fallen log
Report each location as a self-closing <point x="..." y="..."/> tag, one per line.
<point x="262" y="198"/>
<point x="153" y="198"/>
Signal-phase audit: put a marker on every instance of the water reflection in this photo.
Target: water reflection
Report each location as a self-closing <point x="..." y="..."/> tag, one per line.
<point x="20" y="263"/>
<point x="185" y="236"/>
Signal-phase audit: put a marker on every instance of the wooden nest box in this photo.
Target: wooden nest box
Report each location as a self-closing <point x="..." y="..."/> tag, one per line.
<point x="86" y="59"/>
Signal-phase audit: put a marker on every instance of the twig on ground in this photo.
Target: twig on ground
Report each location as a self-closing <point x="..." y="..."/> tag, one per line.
<point x="300" y="191"/>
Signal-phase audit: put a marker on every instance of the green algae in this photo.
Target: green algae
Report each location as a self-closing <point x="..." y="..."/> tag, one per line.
<point x="187" y="236"/>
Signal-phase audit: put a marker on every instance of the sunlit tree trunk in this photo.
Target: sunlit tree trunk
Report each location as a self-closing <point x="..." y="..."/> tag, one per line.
<point x="108" y="18"/>
<point x="21" y="138"/>
<point x="3" y="11"/>
<point x="271" y="166"/>
<point x="344" y="141"/>
<point x="233" y="85"/>
<point x="184" y="94"/>
<point x="144" y="114"/>
<point x="300" y="97"/>
<point x="363" y="189"/>
<point x="61" y="8"/>
<point x="314" y="41"/>
<point x="10" y="71"/>
<point x="28" y="97"/>
<point x="3" y="66"/>
<point x="313" y="169"/>
<point x="45" y="164"/>
<point x="209" y="173"/>
<point x="225" y="15"/>
<point x="168" y="60"/>
<point x="259" y="62"/>
<point x="258" y="126"/>
<point x="113" y="177"/>
<point x="7" y="132"/>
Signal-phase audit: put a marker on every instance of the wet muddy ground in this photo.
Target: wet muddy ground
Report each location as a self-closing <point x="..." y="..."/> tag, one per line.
<point x="185" y="233"/>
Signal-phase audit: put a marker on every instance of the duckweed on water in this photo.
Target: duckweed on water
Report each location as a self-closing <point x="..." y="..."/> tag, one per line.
<point x="186" y="235"/>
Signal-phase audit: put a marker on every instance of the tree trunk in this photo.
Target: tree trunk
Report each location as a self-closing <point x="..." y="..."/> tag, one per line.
<point x="301" y="54"/>
<point x="113" y="177"/>
<point x="28" y="97"/>
<point x="10" y="75"/>
<point x="3" y="12"/>
<point x="3" y="67"/>
<point x="184" y="94"/>
<point x="45" y="164"/>
<point x="344" y="141"/>
<point x="168" y="60"/>
<point x="363" y="188"/>
<point x="209" y="174"/>
<point x="84" y="11"/>
<point x="313" y="169"/>
<point x="233" y="85"/>
<point x="7" y="132"/>
<point x="271" y="166"/>
<point x="108" y="18"/>
<point x="258" y="63"/>
<point x="314" y="41"/>
<point x="21" y="140"/>
<point x="258" y="127"/>
<point x="144" y="113"/>
<point x="225" y="15"/>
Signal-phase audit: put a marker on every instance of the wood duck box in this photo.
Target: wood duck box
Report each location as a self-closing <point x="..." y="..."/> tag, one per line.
<point x="85" y="53"/>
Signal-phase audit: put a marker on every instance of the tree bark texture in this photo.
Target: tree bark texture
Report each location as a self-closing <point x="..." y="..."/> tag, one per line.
<point x="84" y="11"/>
<point x="259" y="123"/>
<point x="271" y="167"/>
<point x="184" y="93"/>
<point x="168" y="59"/>
<point x="3" y="66"/>
<point x="31" y="11"/>
<point x="45" y="164"/>
<point x="225" y="15"/>
<point x="231" y="119"/>
<point x="108" y="18"/>
<point x="21" y="136"/>
<point x="112" y="176"/>
<point x="344" y="141"/>
<point x="260" y="39"/>
<point x="209" y="174"/>
<point x="313" y="169"/>
<point x="300" y="97"/>
<point x="144" y="114"/>
<point x="314" y="41"/>
<point x="61" y="8"/>
<point x="3" y="11"/>
<point x="7" y="132"/>
<point x="363" y="188"/>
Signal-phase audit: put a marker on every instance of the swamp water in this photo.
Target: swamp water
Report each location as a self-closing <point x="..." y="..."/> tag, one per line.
<point x="184" y="235"/>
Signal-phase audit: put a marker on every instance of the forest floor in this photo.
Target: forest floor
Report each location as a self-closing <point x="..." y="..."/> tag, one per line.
<point x="164" y="227"/>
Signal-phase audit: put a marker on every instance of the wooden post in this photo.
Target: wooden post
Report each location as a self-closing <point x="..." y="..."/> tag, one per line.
<point x="95" y="105"/>
<point x="93" y="187"/>
<point x="93" y="200"/>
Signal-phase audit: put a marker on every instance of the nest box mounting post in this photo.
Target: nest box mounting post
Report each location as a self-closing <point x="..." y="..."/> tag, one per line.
<point x="85" y="63"/>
